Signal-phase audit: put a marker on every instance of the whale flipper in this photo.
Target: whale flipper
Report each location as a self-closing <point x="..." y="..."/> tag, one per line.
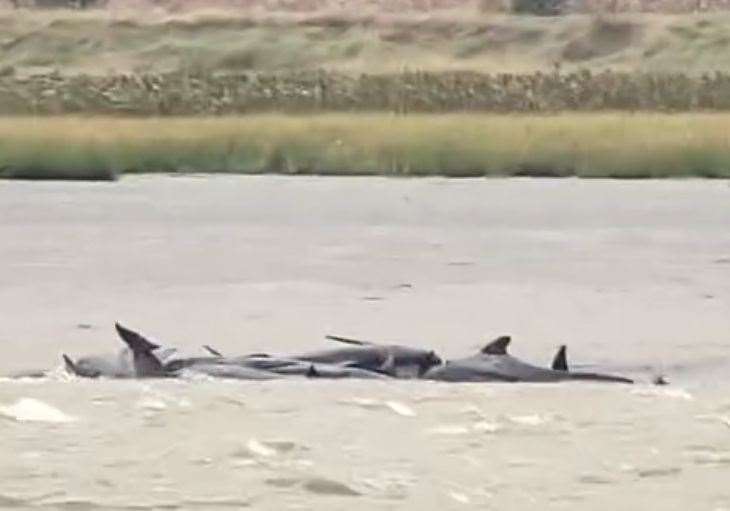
<point x="497" y="346"/>
<point x="146" y="364"/>
<point x="389" y="367"/>
<point x="560" y="361"/>
<point x="212" y="351"/>
<point x="346" y="340"/>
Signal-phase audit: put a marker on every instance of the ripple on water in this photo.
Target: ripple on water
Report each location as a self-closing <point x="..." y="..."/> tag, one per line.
<point x="332" y="487"/>
<point x="323" y="486"/>
<point x="659" y="472"/>
<point x="9" y="502"/>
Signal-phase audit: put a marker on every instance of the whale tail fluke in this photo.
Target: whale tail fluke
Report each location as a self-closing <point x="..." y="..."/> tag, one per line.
<point x="497" y="346"/>
<point x="560" y="360"/>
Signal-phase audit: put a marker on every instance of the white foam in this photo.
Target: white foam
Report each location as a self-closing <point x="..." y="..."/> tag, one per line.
<point x="259" y="449"/>
<point x="528" y="420"/>
<point x="373" y="404"/>
<point x="459" y="497"/>
<point x="674" y="393"/>
<point x="400" y="408"/>
<point x="152" y="404"/>
<point x="463" y="429"/>
<point x="449" y="429"/>
<point x="486" y="427"/>
<point x="32" y="410"/>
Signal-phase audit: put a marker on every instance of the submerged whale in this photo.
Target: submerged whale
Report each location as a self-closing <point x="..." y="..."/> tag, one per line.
<point x="394" y="360"/>
<point x="146" y="364"/>
<point x="494" y="364"/>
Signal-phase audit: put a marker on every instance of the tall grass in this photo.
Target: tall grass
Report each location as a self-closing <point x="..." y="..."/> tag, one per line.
<point x="586" y="145"/>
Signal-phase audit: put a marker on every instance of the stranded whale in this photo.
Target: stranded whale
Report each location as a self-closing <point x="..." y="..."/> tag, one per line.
<point x="494" y="364"/>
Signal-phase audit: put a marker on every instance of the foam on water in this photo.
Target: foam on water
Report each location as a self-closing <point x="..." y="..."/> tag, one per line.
<point x="32" y="410"/>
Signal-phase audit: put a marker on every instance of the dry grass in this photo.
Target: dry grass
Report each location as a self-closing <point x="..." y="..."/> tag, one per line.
<point x="97" y="42"/>
<point x="586" y="145"/>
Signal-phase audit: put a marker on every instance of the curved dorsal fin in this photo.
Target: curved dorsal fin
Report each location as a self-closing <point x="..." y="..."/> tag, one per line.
<point x="135" y="341"/>
<point x="497" y="346"/>
<point x="146" y="364"/>
<point x="212" y="351"/>
<point x="560" y="360"/>
<point x="345" y="340"/>
<point x="312" y="372"/>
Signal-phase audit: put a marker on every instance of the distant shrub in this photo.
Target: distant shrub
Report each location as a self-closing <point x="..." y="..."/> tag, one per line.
<point x="539" y="7"/>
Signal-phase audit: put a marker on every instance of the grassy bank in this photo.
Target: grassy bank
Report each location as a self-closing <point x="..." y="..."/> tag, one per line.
<point x="373" y="41"/>
<point x="586" y="145"/>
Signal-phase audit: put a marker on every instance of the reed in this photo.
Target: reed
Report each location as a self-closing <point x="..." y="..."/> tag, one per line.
<point x="615" y="145"/>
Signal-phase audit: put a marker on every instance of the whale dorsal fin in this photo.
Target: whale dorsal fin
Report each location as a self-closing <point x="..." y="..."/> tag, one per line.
<point x="213" y="351"/>
<point x="560" y="360"/>
<point x="312" y="372"/>
<point x="497" y="346"/>
<point x="146" y="364"/>
<point x="345" y="340"/>
<point x="135" y="341"/>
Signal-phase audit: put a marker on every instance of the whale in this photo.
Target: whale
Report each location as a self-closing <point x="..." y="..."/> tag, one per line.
<point x="392" y="359"/>
<point x="112" y="365"/>
<point x="295" y="367"/>
<point x="146" y="364"/>
<point x="493" y="363"/>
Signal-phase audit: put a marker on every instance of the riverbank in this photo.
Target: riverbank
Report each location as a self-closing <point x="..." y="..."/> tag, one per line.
<point x="586" y="145"/>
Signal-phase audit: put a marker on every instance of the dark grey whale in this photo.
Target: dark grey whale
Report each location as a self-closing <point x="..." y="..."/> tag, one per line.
<point x="396" y="360"/>
<point x="294" y="367"/>
<point x="146" y="364"/>
<point x="494" y="364"/>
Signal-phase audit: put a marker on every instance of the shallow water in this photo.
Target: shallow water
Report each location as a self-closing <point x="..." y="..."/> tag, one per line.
<point x="633" y="276"/>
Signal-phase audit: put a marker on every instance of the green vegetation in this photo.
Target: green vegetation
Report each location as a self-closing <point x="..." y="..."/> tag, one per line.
<point x="586" y="145"/>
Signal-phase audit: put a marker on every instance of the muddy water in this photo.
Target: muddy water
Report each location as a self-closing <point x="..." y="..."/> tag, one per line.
<point x="633" y="276"/>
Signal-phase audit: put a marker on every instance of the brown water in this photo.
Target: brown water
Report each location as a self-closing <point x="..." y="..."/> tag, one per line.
<point x="633" y="276"/>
